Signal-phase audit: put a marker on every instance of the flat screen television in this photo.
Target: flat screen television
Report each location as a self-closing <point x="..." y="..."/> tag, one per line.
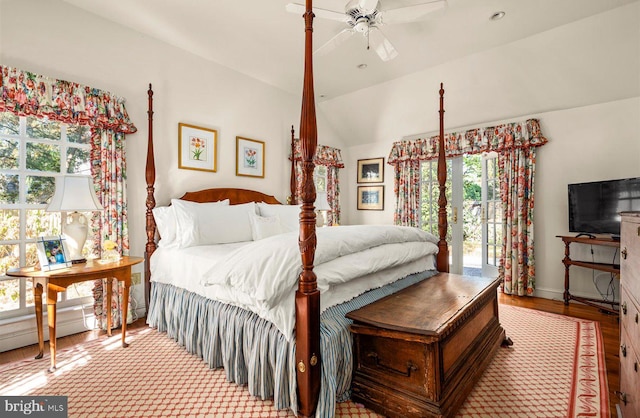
<point x="594" y="208"/>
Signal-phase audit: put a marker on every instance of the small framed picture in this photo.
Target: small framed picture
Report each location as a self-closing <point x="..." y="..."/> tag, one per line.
<point x="52" y="253"/>
<point x="371" y="170"/>
<point x="249" y="157"/>
<point x="370" y="197"/>
<point x="197" y="148"/>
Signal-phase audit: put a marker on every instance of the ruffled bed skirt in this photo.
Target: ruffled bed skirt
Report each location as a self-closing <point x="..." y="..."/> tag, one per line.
<point x="253" y="352"/>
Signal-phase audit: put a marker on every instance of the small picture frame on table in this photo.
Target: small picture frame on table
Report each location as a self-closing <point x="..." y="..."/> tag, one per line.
<point x="371" y="170"/>
<point x="52" y="253"/>
<point x="370" y="197"/>
<point x="197" y="148"/>
<point x="249" y="157"/>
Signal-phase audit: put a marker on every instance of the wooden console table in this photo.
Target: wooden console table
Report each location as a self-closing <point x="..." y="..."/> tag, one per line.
<point x="608" y="267"/>
<point x="58" y="280"/>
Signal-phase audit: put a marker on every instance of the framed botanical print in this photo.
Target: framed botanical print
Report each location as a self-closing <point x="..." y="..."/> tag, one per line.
<point x="52" y="253"/>
<point x="197" y="148"/>
<point x="370" y="197"/>
<point x="371" y="170"/>
<point x="249" y="157"/>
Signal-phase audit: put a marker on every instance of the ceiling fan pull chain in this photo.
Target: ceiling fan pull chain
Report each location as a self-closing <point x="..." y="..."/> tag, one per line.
<point x="368" y="32"/>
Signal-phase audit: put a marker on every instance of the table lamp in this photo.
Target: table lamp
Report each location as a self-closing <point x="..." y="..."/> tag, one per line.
<point x="322" y="206"/>
<point x="74" y="194"/>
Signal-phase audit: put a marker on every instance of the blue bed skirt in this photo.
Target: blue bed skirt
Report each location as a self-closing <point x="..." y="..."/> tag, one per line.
<point x="253" y="352"/>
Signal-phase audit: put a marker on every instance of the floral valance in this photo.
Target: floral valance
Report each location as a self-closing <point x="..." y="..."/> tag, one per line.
<point x="474" y="141"/>
<point x="25" y="93"/>
<point x="326" y="156"/>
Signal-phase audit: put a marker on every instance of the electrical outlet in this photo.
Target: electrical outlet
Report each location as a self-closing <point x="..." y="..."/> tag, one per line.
<point x="135" y="278"/>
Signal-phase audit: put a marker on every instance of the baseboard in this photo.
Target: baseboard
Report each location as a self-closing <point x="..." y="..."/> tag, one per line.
<point x="22" y="332"/>
<point x="555" y="294"/>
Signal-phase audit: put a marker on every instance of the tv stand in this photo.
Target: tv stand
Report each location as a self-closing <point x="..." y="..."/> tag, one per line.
<point x="608" y="267"/>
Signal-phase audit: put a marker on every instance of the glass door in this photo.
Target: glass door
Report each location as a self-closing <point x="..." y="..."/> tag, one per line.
<point x="492" y="227"/>
<point x="474" y="231"/>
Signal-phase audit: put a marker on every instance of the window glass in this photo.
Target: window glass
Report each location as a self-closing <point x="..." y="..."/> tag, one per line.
<point x="9" y="257"/>
<point x="9" y="153"/>
<point x="9" y="188"/>
<point x="9" y="293"/>
<point x="9" y="124"/>
<point x="43" y="157"/>
<point x="9" y="224"/>
<point x="78" y="161"/>
<point x="43" y="128"/>
<point x="40" y="189"/>
<point x="79" y="134"/>
<point x="42" y="223"/>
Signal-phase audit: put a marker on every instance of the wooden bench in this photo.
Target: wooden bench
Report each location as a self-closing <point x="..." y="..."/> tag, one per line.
<point x="419" y="352"/>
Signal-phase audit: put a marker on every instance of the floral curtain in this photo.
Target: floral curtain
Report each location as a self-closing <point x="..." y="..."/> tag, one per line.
<point x="26" y="93"/>
<point x="516" y="169"/>
<point x="331" y="158"/>
<point x="515" y="143"/>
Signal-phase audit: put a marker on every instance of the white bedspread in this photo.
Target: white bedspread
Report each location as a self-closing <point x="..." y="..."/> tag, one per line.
<point x="261" y="276"/>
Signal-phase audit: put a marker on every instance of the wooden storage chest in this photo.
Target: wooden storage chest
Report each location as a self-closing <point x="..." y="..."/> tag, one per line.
<point x="419" y="352"/>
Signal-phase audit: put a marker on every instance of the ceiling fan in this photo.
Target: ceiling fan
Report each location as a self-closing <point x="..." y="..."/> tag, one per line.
<point x="366" y="17"/>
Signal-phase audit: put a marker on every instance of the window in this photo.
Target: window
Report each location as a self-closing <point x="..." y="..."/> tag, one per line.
<point x="320" y="178"/>
<point x="33" y="152"/>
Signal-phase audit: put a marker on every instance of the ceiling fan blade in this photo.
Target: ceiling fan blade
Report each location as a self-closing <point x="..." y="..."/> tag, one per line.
<point x="381" y="45"/>
<point x="334" y="42"/>
<point x="411" y="13"/>
<point x="321" y="13"/>
<point x="368" y="5"/>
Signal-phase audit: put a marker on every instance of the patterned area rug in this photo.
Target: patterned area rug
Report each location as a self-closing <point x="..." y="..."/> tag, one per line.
<point x="555" y="368"/>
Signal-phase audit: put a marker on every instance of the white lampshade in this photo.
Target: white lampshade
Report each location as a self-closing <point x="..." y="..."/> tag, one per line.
<point x="74" y="193"/>
<point x="321" y="201"/>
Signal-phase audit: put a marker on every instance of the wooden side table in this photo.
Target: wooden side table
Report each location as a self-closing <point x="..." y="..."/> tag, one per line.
<point x="58" y="280"/>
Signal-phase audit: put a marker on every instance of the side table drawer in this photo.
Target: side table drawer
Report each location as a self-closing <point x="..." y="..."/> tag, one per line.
<point x="629" y="377"/>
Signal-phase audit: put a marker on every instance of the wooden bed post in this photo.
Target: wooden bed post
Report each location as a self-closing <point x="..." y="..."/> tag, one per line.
<point x="292" y="180"/>
<point x="150" y="176"/>
<point x="308" y="360"/>
<point x="442" y="260"/>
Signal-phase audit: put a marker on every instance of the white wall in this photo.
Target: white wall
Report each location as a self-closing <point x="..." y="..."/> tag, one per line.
<point x="52" y="38"/>
<point x="547" y="76"/>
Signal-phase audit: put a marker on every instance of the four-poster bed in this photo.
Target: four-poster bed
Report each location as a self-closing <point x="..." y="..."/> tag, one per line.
<point x="187" y="313"/>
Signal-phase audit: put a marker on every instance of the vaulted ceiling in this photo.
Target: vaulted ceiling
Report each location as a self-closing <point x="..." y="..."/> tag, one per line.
<point x="261" y="39"/>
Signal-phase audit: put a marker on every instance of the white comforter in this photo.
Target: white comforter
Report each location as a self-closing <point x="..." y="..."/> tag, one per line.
<point x="262" y="276"/>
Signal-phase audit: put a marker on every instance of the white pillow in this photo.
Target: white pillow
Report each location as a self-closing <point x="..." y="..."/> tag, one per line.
<point x="264" y="227"/>
<point x="289" y="215"/>
<point x="166" y="224"/>
<point x="207" y="224"/>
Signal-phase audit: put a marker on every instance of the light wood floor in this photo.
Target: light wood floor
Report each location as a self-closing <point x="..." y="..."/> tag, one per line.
<point x="608" y="325"/>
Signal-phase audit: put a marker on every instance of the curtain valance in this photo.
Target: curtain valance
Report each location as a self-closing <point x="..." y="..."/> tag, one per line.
<point x="326" y="156"/>
<point x="498" y="138"/>
<point x="25" y="93"/>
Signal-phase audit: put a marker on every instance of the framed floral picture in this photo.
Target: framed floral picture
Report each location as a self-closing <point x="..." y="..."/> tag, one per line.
<point x="370" y="197"/>
<point x="197" y="148"/>
<point x="249" y="157"/>
<point x="52" y="253"/>
<point x="371" y="170"/>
